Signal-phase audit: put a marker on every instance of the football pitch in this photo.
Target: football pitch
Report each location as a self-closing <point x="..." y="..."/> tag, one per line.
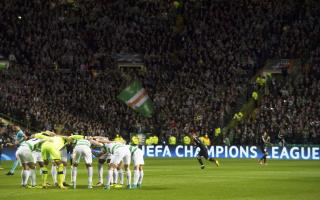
<point x="183" y="179"/>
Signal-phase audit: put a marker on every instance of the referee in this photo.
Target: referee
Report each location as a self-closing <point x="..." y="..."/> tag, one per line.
<point x="203" y="153"/>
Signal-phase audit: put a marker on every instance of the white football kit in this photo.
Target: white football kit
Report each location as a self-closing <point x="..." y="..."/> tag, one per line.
<point x="136" y="155"/>
<point x="24" y="152"/>
<point x="82" y="149"/>
<point x="120" y="152"/>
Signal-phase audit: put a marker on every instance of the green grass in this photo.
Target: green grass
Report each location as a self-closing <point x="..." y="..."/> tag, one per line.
<point x="183" y="179"/>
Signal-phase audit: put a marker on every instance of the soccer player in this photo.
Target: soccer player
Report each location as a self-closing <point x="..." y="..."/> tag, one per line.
<point x="24" y="155"/>
<point x="51" y="148"/>
<point x="203" y="153"/>
<point x="264" y="141"/>
<point x="120" y="153"/>
<point x="36" y="153"/>
<point x="82" y="148"/>
<point x="102" y="156"/>
<point x="138" y="162"/>
<point x="64" y="160"/>
<point x="20" y="137"/>
<point x="105" y="156"/>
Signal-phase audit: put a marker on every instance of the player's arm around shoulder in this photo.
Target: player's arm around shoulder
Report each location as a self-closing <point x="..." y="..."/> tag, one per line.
<point x="44" y="136"/>
<point x="76" y="137"/>
<point x="95" y="143"/>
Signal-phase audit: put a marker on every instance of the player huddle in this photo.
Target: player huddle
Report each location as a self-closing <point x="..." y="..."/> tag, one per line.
<point x="45" y="146"/>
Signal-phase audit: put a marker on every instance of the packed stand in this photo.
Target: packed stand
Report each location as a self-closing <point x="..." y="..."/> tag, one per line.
<point x="289" y="111"/>
<point x="199" y="57"/>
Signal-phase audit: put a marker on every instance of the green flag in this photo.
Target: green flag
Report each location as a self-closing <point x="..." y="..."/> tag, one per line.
<point x="136" y="97"/>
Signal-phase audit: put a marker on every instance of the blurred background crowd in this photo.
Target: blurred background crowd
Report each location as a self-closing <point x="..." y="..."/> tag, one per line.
<point x="200" y="57"/>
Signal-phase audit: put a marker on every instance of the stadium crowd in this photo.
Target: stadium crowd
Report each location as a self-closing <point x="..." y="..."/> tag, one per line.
<point x="199" y="56"/>
<point x="289" y="110"/>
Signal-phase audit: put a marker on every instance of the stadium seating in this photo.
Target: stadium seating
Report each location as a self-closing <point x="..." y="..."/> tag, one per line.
<point x="199" y="60"/>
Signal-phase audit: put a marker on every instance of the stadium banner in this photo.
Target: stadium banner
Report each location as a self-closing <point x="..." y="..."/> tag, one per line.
<point x="180" y="151"/>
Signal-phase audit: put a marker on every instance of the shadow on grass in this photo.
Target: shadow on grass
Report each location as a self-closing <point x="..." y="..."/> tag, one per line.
<point x="149" y="188"/>
<point x="84" y="187"/>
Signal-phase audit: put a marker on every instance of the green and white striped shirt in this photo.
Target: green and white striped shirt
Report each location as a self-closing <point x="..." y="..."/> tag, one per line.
<point x="32" y="144"/>
<point x="111" y="147"/>
<point x="132" y="148"/>
<point x="83" y="142"/>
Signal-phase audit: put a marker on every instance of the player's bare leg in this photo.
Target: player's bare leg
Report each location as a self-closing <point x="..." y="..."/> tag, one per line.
<point x="140" y="177"/>
<point x="33" y="174"/>
<point x="41" y="164"/>
<point x="100" y="171"/>
<point x="118" y="174"/>
<point x="74" y="174"/>
<point x="90" y="174"/>
<point x="111" y="167"/>
<point x="114" y="181"/>
<point x="136" y="176"/>
<point x="128" y="172"/>
<point x="25" y="175"/>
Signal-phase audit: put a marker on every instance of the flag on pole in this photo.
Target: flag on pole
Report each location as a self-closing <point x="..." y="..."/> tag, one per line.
<point x="136" y="97"/>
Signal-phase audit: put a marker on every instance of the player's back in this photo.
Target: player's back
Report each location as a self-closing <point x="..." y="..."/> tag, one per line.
<point x="59" y="142"/>
<point x="132" y="148"/>
<point x="82" y="142"/>
<point x="32" y="143"/>
<point x="112" y="146"/>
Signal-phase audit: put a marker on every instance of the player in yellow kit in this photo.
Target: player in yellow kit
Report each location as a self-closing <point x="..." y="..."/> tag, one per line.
<point x="52" y="148"/>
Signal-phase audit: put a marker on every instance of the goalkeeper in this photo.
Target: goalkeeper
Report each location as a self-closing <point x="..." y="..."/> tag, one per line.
<point x="51" y="147"/>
